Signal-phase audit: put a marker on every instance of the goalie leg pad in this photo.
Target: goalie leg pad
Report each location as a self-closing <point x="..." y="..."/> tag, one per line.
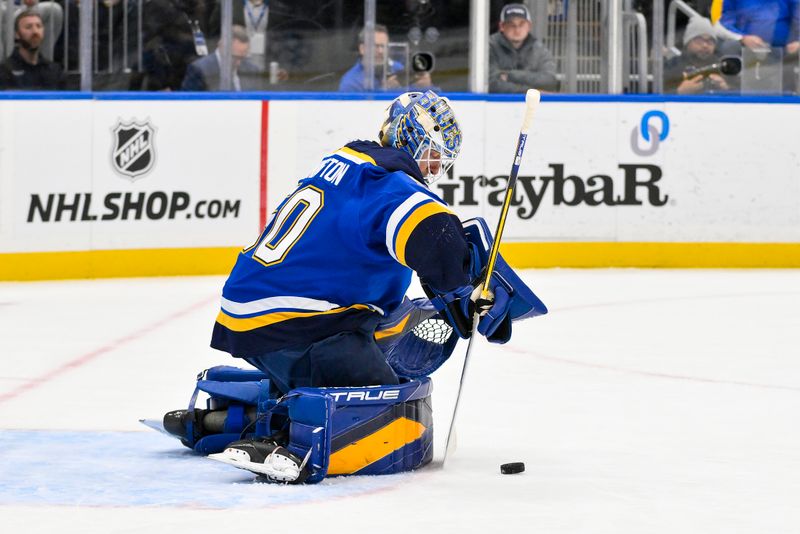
<point x="241" y="402"/>
<point x="336" y="431"/>
<point x="371" y="430"/>
<point x="381" y="430"/>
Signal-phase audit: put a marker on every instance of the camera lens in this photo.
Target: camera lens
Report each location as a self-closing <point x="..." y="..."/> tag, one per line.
<point x="730" y="65"/>
<point x="422" y="62"/>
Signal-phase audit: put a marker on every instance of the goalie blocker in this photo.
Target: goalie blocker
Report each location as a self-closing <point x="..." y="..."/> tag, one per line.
<point x="513" y="300"/>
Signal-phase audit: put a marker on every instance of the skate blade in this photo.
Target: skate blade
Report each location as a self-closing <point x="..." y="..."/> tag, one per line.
<point x="158" y="426"/>
<point x="275" y="472"/>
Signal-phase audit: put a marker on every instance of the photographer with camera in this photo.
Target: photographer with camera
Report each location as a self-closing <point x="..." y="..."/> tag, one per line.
<point x="700" y="69"/>
<point x="353" y="80"/>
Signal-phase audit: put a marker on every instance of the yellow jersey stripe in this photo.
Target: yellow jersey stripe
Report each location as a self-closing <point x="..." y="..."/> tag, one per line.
<point x="377" y="445"/>
<point x="418" y="215"/>
<point x="251" y="323"/>
<point x="359" y="155"/>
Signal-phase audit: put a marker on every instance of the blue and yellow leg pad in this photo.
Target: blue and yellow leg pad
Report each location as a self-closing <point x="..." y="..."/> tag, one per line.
<point x="343" y="431"/>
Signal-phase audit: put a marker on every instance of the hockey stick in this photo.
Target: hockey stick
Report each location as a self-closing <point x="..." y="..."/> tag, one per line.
<point x="532" y="98"/>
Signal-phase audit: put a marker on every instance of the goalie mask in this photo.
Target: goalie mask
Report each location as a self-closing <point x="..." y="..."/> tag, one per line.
<point x="423" y="124"/>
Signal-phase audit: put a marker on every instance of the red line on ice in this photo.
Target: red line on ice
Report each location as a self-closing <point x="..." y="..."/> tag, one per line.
<point x="80" y="361"/>
<point x="647" y="373"/>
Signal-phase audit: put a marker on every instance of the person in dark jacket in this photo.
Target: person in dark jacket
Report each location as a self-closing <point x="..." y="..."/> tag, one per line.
<point x="517" y="60"/>
<point x="763" y="23"/>
<point x="253" y="15"/>
<point x="770" y="29"/>
<point x="699" y="50"/>
<point x="173" y="38"/>
<point x="27" y="69"/>
<point x="204" y="73"/>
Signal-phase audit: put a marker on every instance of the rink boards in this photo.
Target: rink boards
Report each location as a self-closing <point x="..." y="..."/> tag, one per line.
<point x="109" y="185"/>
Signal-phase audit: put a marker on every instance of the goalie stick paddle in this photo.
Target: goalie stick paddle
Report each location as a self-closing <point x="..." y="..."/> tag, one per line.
<point x="532" y="98"/>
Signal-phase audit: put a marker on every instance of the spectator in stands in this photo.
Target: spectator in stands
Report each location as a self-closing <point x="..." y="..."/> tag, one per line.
<point x="204" y="73"/>
<point x="27" y="69"/>
<point x="115" y="46"/>
<point x="252" y="15"/>
<point x="761" y="23"/>
<point x="699" y="50"/>
<point x="517" y="60"/>
<point x="354" y="79"/>
<point x="173" y="38"/>
<point x="52" y="15"/>
<point x="768" y="27"/>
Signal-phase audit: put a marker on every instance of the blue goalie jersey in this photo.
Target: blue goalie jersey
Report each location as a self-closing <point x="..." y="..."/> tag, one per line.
<point x="338" y="252"/>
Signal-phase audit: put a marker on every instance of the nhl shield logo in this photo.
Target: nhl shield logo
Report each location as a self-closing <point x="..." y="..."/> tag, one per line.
<point x="133" y="154"/>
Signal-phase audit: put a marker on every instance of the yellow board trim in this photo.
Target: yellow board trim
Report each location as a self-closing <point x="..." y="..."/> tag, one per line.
<point x="26" y="266"/>
<point x="251" y="323"/>
<point x="359" y="155"/>
<point x="377" y="445"/>
<point x="417" y="216"/>
<point x="648" y="255"/>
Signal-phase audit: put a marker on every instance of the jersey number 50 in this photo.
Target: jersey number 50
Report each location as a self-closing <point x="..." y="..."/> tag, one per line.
<point x="288" y="224"/>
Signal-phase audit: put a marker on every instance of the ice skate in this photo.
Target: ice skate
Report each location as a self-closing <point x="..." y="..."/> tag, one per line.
<point x="266" y="458"/>
<point x="176" y="421"/>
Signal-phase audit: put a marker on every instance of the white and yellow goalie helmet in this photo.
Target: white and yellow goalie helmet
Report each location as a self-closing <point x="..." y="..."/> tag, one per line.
<point x="423" y="125"/>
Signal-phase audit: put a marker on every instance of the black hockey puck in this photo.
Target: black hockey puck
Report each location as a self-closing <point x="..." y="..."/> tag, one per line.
<point x="512" y="468"/>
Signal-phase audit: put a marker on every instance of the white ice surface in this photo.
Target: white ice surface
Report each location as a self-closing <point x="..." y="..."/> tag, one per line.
<point x="645" y="402"/>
